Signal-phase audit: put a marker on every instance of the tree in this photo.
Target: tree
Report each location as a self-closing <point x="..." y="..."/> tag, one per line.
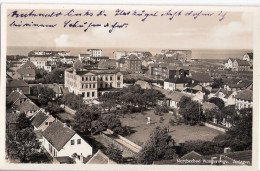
<point x="229" y="113"/>
<point x="160" y="146"/>
<point x="218" y="83"/>
<point x="191" y="112"/>
<point x="184" y="101"/>
<point x="73" y="101"/>
<point x="114" y="153"/>
<point x="23" y="122"/>
<point x="84" y="117"/>
<point x="217" y="101"/>
<point x="44" y="94"/>
<point x="210" y="114"/>
<point x="55" y="76"/>
<point x="22" y="145"/>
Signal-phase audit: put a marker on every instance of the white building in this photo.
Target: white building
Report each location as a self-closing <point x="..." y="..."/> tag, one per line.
<point x="61" y="141"/>
<point x="94" y="52"/>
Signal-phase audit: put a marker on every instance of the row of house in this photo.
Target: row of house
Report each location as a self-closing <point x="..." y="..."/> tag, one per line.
<point x="58" y="139"/>
<point x="244" y="64"/>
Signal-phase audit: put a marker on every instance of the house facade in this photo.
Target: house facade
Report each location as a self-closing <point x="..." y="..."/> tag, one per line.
<point x="88" y="82"/>
<point x="244" y="99"/>
<point x="133" y="65"/>
<point x="39" y="62"/>
<point x="240" y="65"/>
<point x="94" y="52"/>
<point x="177" y="83"/>
<point x="61" y="141"/>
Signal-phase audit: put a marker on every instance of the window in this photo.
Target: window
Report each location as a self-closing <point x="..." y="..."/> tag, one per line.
<point x="111" y="78"/>
<point x="82" y="78"/>
<point x="89" y="85"/>
<point x="101" y="78"/>
<point x="118" y="77"/>
<point x="118" y="84"/>
<point x="93" y="94"/>
<point x="46" y="123"/>
<point x="94" y="78"/>
<point x="72" y="142"/>
<point x="86" y="78"/>
<point x="79" y="141"/>
<point x="106" y="78"/>
<point x="101" y="85"/>
<point x="94" y="85"/>
<point x="83" y="94"/>
<point x="82" y="85"/>
<point x="89" y="78"/>
<point x="87" y="94"/>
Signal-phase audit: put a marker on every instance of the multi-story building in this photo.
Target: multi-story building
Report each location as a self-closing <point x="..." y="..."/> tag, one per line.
<point x="241" y="65"/>
<point x="88" y="82"/>
<point x="133" y="64"/>
<point x="164" y="71"/>
<point x="119" y="54"/>
<point x="39" y="62"/>
<point x="94" y="52"/>
<point x="244" y="99"/>
<point x="182" y="55"/>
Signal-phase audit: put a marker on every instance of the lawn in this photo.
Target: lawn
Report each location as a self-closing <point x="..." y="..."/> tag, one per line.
<point x="65" y="117"/>
<point x="180" y="133"/>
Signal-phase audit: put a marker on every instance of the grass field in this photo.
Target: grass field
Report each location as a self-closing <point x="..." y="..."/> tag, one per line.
<point x="180" y="133"/>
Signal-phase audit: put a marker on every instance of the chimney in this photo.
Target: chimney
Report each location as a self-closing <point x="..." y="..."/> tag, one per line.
<point x="81" y="158"/>
<point x="55" y="119"/>
<point x="227" y="150"/>
<point x="47" y="113"/>
<point x="64" y="125"/>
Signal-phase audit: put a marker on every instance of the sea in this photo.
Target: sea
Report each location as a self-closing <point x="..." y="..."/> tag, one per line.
<point x="221" y="54"/>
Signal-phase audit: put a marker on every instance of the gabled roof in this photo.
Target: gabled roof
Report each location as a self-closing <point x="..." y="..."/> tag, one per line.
<point x="133" y="57"/>
<point x="241" y="156"/>
<point x="193" y="155"/>
<point x="179" y="80"/>
<point x="250" y="55"/>
<point x="15" y="95"/>
<point x="39" y="118"/>
<point x="16" y="84"/>
<point x="28" y="64"/>
<point x="225" y="92"/>
<point x="58" y="134"/>
<point x="27" y="106"/>
<point x="26" y="72"/>
<point x="100" y="158"/>
<point x="245" y="95"/>
<point x="201" y="77"/>
<point x="240" y="84"/>
<point x="242" y="62"/>
<point x="176" y="96"/>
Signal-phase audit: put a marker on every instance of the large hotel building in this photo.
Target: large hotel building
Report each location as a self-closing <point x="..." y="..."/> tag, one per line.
<point x="88" y="82"/>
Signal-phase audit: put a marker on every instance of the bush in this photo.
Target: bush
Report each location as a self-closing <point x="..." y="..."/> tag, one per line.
<point x="171" y="122"/>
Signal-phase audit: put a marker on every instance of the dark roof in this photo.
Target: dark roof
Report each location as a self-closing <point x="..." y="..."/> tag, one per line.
<point x="100" y="158"/>
<point x="240" y="84"/>
<point x="242" y="62"/>
<point x="192" y="155"/>
<point x="15" y="95"/>
<point x="16" y="83"/>
<point x="39" y="118"/>
<point x="179" y="80"/>
<point x="241" y="156"/>
<point x="250" y="55"/>
<point x="209" y="106"/>
<point x="27" y="106"/>
<point x="133" y="57"/>
<point x="26" y="72"/>
<point x="245" y="95"/>
<point x="58" y="134"/>
<point x="201" y="77"/>
<point x="28" y="64"/>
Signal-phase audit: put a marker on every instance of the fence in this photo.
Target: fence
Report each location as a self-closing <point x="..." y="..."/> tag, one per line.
<point x="69" y="110"/>
<point x="122" y="143"/>
<point x="216" y="127"/>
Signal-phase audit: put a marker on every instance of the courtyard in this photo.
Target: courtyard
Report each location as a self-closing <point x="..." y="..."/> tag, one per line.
<point x="180" y="133"/>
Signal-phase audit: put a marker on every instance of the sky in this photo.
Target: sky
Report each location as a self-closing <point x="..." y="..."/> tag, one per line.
<point x="235" y="31"/>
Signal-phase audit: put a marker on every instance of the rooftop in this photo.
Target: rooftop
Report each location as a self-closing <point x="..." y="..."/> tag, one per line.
<point x="39" y="118"/>
<point x="58" y="134"/>
<point x="245" y="95"/>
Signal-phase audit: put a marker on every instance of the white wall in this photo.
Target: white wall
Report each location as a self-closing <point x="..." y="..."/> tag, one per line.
<point x="69" y="149"/>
